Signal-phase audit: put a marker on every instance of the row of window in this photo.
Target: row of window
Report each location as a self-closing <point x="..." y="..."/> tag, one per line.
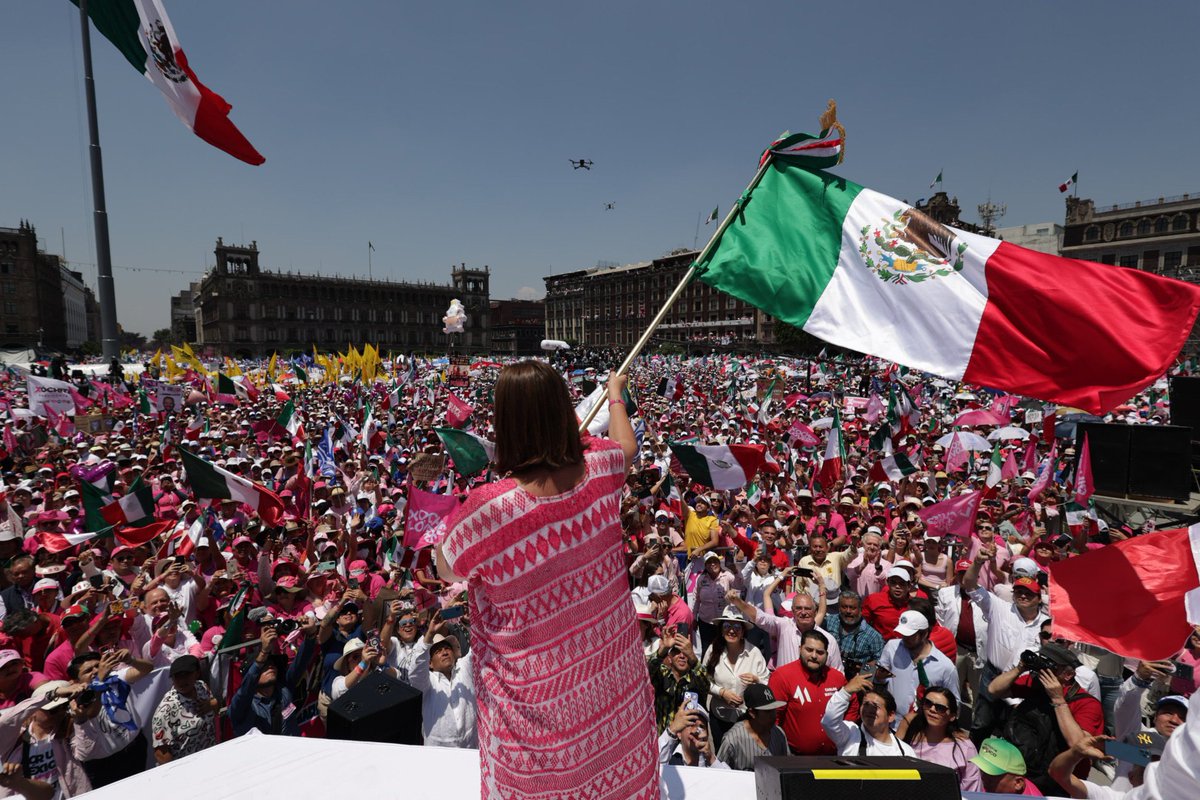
<point x="1153" y="260"/>
<point x="1144" y="227"/>
<point x="332" y="336"/>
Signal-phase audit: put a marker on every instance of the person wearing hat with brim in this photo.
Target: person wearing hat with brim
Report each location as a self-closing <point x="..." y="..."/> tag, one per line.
<point x="701" y="528"/>
<point x="184" y="722"/>
<point x="912" y="661"/>
<point x="1053" y="693"/>
<point x="1013" y="627"/>
<point x="732" y="664"/>
<point x="687" y="741"/>
<point x="1170" y="711"/>
<point x="42" y="724"/>
<point x="756" y="735"/>
<point x="1002" y="767"/>
<point x="960" y="614"/>
<point x="270" y="686"/>
<point x="447" y="685"/>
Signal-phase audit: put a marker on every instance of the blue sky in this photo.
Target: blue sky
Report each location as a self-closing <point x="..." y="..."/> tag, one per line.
<point x="442" y="131"/>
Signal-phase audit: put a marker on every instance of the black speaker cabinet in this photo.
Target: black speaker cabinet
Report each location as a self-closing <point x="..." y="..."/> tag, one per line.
<point x="379" y="708"/>
<point x="853" y="778"/>
<point x="1185" y="404"/>
<point x="1109" y="449"/>
<point x="1160" y="462"/>
<point x="1153" y="462"/>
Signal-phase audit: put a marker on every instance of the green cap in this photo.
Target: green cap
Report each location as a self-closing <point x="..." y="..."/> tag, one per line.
<point x="998" y="757"/>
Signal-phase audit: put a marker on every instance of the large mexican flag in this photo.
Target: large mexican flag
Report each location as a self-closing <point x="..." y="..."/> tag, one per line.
<point x="866" y="271"/>
<point x="141" y="30"/>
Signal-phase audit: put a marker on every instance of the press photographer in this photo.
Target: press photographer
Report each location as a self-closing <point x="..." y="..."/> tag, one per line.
<point x="1053" y="713"/>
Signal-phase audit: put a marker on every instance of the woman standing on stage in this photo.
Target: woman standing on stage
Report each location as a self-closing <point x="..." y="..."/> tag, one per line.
<point x="565" y="704"/>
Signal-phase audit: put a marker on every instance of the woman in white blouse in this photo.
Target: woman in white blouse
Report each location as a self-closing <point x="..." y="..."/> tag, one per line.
<point x="731" y="667"/>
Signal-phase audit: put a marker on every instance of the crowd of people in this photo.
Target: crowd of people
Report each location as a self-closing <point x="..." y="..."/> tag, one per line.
<point x="810" y="611"/>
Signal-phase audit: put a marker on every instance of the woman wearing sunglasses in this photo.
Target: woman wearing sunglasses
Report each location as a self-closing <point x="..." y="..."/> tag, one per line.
<point x="935" y="737"/>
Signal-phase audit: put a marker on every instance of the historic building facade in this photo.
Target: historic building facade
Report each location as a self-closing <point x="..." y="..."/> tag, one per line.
<point x="244" y="310"/>
<point x="611" y="307"/>
<point x="517" y="327"/>
<point x="1161" y="236"/>
<point x="43" y="304"/>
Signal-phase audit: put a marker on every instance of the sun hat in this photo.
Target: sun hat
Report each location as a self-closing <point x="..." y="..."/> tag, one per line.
<point x="46" y="689"/>
<point x="658" y="585"/>
<point x="348" y="649"/>
<point x="732" y="614"/>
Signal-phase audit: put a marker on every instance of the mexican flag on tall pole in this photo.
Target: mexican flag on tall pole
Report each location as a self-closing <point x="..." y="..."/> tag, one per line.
<point x="210" y="482"/>
<point x="995" y="471"/>
<point x="871" y="273"/>
<point x="143" y="33"/>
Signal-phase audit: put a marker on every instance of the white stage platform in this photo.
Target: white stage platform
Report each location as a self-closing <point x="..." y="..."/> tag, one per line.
<point x="257" y="767"/>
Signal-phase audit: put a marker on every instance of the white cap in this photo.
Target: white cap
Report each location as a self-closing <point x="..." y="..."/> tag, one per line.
<point x="911" y="622"/>
<point x="900" y="572"/>
<point x="658" y="585"/>
<point x="1026" y="568"/>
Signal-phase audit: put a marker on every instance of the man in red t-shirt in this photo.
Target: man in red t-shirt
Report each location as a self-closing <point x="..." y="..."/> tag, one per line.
<point x="883" y="608"/>
<point x="806" y="685"/>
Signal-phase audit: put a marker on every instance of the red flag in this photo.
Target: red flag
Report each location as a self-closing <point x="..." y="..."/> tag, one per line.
<point x="458" y="411"/>
<point x="1136" y="590"/>
<point x="132" y="537"/>
<point x="427" y="517"/>
<point x="1085" y="487"/>
<point x="954" y="516"/>
<point x="1048" y="422"/>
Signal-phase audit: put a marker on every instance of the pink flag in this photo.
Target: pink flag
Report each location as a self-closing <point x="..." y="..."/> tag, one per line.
<point x="80" y="400"/>
<point x="458" y="411"/>
<point x="874" y="410"/>
<point x="1009" y="469"/>
<point x="956" y="454"/>
<point x="953" y="516"/>
<point x="1085" y="487"/>
<point x="1045" y="473"/>
<point x="804" y="435"/>
<point x="792" y="399"/>
<point x="428" y="517"/>
<point x="1030" y="463"/>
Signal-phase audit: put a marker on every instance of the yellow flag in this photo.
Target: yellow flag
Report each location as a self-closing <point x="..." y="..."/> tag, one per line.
<point x="271" y="368"/>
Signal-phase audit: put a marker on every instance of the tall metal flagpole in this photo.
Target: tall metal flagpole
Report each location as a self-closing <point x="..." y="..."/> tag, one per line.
<point x="684" y="281"/>
<point x="109" y="344"/>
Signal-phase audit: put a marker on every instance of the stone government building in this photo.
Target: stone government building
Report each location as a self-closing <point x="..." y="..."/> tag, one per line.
<point x="245" y="311"/>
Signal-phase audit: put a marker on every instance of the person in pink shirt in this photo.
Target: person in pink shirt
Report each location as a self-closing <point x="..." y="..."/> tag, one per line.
<point x="992" y="572"/>
<point x="868" y="571"/>
<point x="16" y="682"/>
<point x="1189" y="656"/>
<point x="668" y="606"/>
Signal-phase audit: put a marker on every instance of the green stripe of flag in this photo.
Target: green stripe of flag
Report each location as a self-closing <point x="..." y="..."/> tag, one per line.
<point x="203" y="477"/>
<point x="471" y="454"/>
<point x="118" y="21"/>
<point x="782" y="247"/>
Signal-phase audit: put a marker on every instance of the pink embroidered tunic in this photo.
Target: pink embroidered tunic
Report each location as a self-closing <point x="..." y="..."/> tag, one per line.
<point x="565" y="704"/>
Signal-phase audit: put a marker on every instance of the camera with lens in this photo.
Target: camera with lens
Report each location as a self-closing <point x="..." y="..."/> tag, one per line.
<point x="86" y="698"/>
<point x="282" y="626"/>
<point x="1032" y="661"/>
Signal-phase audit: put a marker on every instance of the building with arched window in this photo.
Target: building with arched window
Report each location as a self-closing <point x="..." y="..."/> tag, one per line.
<point x="1160" y="236"/>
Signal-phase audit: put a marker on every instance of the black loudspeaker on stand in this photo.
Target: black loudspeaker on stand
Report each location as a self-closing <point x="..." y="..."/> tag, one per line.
<point x="379" y="708"/>
<point x="853" y="778"/>
<point x="1138" y="461"/>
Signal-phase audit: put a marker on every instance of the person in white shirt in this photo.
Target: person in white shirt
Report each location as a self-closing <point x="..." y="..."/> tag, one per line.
<point x="1012" y="628"/>
<point x="447" y="688"/>
<point x="873" y="735"/>
<point x="912" y="662"/>
<point x="732" y="665"/>
<point x="971" y="639"/>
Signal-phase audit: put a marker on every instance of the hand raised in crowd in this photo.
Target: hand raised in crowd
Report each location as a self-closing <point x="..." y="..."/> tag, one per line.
<point x="1052" y="685"/>
<point x="859" y="683"/>
<point x="1154" y="670"/>
<point x="269" y="637"/>
<point x="685" y="718"/>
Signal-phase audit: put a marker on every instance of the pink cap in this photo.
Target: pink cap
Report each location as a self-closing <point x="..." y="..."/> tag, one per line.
<point x="8" y="656"/>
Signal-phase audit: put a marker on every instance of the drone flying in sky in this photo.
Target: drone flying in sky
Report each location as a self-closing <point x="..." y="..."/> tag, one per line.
<point x="610" y="206"/>
<point x="582" y="163"/>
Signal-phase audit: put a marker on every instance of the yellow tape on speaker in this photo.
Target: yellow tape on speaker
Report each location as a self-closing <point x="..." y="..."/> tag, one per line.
<point x="866" y="774"/>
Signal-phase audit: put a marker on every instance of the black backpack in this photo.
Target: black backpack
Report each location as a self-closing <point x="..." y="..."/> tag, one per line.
<point x="1033" y="729"/>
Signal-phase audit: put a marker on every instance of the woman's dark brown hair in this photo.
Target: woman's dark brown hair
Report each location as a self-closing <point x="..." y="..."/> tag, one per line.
<point x="535" y="422"/>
